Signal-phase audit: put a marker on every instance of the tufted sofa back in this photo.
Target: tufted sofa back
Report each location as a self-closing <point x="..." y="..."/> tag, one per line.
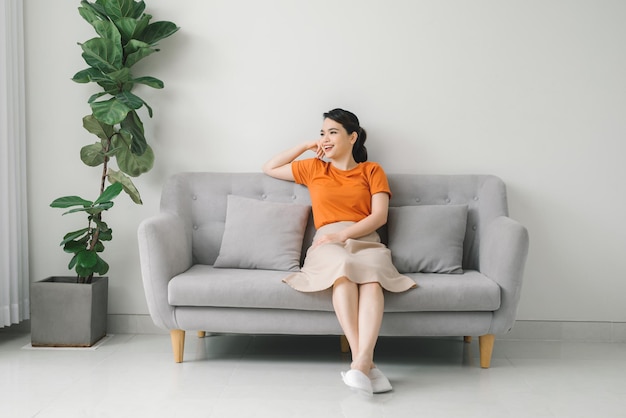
<point x="200" y="200"/>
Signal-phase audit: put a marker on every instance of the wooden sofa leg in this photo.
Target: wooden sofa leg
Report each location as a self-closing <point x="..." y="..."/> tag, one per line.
<point x="178" y="344"/>
<point x="345" y="346"/>
<point x="467" y="339"/>
<point x="201" y="334"/>
<point x="485" y="343"/>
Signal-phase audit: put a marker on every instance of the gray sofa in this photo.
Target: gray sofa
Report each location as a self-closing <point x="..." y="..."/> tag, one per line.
<point x="478" y="297"/>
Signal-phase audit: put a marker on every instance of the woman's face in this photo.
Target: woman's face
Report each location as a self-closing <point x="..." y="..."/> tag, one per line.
<point x="336" y="142"/>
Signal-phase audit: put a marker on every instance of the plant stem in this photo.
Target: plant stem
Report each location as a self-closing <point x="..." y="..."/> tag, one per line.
<point x="96" y="235"/>
<point x="106" y="149"/>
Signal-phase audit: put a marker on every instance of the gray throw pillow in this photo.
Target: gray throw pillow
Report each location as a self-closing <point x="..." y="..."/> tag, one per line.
<point x="262" y="235"/>
<point x="428" y="238"/>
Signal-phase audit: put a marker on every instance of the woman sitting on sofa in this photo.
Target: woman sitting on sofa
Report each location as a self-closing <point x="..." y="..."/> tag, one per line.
<point x="350" y="201"/>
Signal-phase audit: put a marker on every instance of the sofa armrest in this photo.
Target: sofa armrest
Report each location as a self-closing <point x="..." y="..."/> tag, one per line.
<point x="503" y="253"/>
<point x="164" y="252"/>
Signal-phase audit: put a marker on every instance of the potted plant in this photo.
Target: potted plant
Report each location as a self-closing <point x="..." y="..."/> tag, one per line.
<point x="125" y="36"/>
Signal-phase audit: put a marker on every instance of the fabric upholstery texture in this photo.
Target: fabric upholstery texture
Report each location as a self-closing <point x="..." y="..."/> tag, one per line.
<point x="262" y="235"/>
<point x="427" y="239"/>
<point x="240" y="288"/>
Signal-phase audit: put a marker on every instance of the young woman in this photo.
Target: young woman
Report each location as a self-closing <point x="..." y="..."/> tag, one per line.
<point x="350" y="200"/>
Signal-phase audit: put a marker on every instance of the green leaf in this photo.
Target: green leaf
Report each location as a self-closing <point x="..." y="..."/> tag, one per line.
<point x="95" y="210"/>
<point x="74" y="247"/>
<point x="140" y="6"/>
<point x="102" y="226"/>
<point x="147" y="107"/>
<point x="133" y="125"/>
<point x="101" y="266"/>
<point x="77" y="210"/>
<point x="87" y="259"/>
<point x="92" y="210"/>
<point x="130" y="100"/>
<point x="71" y="236"/>
<point x="89" y="13"/>
<point x="83" y="271"/>
<point x="109" y="193"/>
<point x="135" y="45"/>
<point x="99" y="247"/>
<point x="110" y="87"/>
<point x="110" y="112"/>
<point x="69" y="201"/>
<point x="130" y="189"/>
<point x="73" y="261"/>
<point x="130" y="27"/>
<point x="116" y="9"/>
<point x="134" y="57"/>
<point x="103" y="54"/>
<point x="96" y="7"/>
<point x="130" y="163"/>
<point x="94" y="126"/>
<point x="106" y="235"/>
<point x="92" y="155"/>
<point x="157" y="31"/>
<point x="88" y="75"/>
<point x="126" y="26"/>
<point x="112" y="152"/>
<point x="149" y="81"/>
<point x="108" y="30"/>
<point x="120" y="76"/>
<point x="96" y="96"/>
<point x="143" y="20"/>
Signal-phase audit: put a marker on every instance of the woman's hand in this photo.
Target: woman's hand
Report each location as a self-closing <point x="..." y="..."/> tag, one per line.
<point x="279" y="166"/>
<point x="316" y="147"/>
<point x="329" y="239"/>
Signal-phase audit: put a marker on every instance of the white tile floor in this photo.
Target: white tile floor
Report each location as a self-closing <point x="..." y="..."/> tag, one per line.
<point x="294" y="376"/>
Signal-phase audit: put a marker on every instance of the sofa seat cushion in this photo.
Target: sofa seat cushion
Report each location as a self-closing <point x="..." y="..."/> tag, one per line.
<point x="203" y="285"/>
<point x="470" y="291"/>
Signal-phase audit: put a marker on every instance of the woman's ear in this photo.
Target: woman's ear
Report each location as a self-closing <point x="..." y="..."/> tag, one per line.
<point x="353" y="137"/>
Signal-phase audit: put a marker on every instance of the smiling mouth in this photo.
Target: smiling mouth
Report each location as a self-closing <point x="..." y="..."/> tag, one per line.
<point x="327" y="147"/>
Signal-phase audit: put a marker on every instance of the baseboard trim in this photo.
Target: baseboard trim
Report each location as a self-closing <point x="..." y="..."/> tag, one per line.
<point x="582" y="331"/>
<point x="133" y="324"/>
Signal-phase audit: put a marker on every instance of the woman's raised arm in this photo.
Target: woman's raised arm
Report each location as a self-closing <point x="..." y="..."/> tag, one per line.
<point x="279" y="166"/>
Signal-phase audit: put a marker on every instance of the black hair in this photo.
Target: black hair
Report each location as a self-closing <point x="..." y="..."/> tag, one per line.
<point x="351" y="124"/>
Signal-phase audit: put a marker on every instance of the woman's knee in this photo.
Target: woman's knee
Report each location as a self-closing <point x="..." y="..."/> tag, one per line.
<point x="344" y="282"/>
<point x="373" y="287"/>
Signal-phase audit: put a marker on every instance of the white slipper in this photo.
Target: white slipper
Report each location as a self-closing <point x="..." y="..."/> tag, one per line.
<point x="380" y="383"/>
<point x="358" y="381"/>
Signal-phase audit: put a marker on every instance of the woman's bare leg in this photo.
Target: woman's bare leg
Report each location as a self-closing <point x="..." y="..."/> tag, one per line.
<point x="346" y="304"/>
<point x="371" y="307"/>
<point x="359" y="309"/>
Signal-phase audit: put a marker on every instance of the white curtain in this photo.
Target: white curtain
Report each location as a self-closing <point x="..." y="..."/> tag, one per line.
<point x="14" y="279"/>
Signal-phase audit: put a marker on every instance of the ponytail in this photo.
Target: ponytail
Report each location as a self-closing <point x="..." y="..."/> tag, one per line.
<point x="359" y="152"/>
<point x="351" y="124"/>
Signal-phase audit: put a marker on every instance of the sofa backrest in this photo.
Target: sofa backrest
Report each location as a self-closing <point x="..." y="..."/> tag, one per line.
<point x="200" y="200"/>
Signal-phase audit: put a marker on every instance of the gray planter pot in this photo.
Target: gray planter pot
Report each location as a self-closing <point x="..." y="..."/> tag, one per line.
<point x="64" y="313"/>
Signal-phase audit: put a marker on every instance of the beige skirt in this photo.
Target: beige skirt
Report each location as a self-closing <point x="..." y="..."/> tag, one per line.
<point x="362" y="260"/>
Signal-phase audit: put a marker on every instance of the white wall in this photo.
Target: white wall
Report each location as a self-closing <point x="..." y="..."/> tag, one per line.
<point x="532" y="91"/>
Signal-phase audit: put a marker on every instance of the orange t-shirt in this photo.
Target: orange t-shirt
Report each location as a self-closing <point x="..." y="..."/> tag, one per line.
<point x="339" y="195"/>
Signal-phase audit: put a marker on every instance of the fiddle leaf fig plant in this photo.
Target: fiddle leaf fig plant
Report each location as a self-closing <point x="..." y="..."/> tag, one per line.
<point x="125" y="36"/>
